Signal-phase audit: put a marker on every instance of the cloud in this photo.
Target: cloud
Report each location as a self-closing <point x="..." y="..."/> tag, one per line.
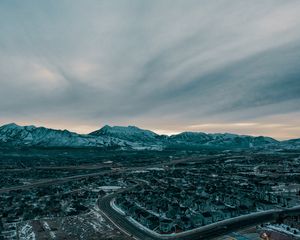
<point x="149" y="63"/>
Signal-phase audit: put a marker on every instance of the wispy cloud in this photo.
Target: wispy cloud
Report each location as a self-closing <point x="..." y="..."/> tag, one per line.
<point x="150" y="63"/>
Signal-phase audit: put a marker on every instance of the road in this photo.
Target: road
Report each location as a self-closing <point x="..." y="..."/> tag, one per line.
<point x="120" y="221"/>
<point x="206" y="232"/>
<point x="52" y="181"/>
<point x="82" y="176"/>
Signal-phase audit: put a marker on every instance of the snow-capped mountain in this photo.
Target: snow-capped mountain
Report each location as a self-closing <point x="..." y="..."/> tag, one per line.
<point x="139" y="138"/>
<point x="291" y="144"/>
<point x="221" y="140"/>
<point x="130" y="138"/>
<point x="130" y="133"/>
<point x="13" y="134"/>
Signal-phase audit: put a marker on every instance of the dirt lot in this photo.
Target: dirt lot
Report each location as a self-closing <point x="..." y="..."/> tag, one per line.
<point x="86" y="226"/>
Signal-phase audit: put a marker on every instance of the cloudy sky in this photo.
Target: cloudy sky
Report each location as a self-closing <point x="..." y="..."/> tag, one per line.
<point x="169" y="66"/>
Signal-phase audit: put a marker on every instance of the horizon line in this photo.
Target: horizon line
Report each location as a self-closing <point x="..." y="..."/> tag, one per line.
<point x="156" y="131"/>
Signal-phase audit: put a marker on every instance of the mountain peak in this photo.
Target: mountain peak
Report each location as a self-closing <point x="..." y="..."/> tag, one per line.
<point x="119" y="128"/>
<point x="105" y="127"/>
<point x="131" y="137"/>
<point x="129" y="133"/>
<point x="10" y="125"/>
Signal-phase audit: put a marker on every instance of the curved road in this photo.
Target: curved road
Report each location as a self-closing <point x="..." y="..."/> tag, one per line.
<point x="206" y="232"/>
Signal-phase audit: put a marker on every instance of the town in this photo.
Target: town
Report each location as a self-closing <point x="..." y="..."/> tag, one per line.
<point x="164" y="193"/>
<point x="188" y="195"/>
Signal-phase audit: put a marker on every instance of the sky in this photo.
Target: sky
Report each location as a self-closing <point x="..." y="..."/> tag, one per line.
<point x="168" y="66"/>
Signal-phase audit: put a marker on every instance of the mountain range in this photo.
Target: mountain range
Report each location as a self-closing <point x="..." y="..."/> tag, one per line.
<point x="130" y="137"/>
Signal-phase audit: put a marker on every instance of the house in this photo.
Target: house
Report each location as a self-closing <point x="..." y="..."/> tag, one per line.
<point x="166" y="225"/>
<point x="184" y="210"/>
<point x="185" y="223"/>
<point x="207" y="218"/>
<point x="217" y="216"/>
<point x="148" y="220"/>
<point x="134" y="211"/>
<point x="125" y="205"/>
<point x="218" y="205"/>
<point x="197" y="220"/>
<point x="247" y="202"/>
<point x="172" y="213"/>
<point x="153" y="222"/>
<point x="227" y="213"/>
<point x="142" y="215"/>
<point x="205" y="207"/>
<point x="243" y="209"/>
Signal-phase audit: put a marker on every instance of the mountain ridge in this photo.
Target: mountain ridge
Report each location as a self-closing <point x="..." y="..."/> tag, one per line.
<point x="130" y="137"/>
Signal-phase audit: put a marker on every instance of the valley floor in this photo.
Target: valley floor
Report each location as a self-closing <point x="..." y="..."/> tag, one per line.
<point x="54" y="194"/>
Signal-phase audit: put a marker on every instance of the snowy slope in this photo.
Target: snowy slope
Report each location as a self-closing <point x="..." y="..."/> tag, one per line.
<point x="13" y="134"/>
<point x="221" y="140"/>
<point x="130" y="138"/>
<point x="291" y="144"/>
<point x="130" y="133"/>
<point x="138" y="138"/>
